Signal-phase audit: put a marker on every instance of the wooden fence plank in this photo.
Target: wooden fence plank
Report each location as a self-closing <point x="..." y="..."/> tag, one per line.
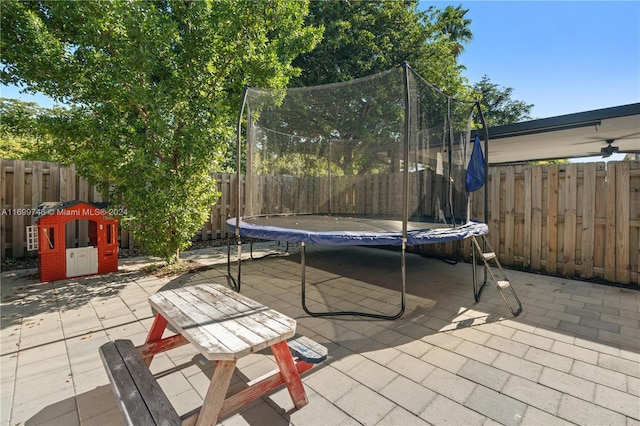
<point x="509" y="214"/>
<point x="588" y="219"/>
<point x="622" y="222"/>
<point x="37" y="174"/>
<point x="526" y="254"/>
<point x="5" y="203"/>
<point x="494" y="208"/>
<point x="18" y="217"/>
<point x="552" y="219"/>
<point x="536" y="218"/>
<point x="54" y="181"/>
<point x="610" y="226"/>
<point x="570" y="213"/>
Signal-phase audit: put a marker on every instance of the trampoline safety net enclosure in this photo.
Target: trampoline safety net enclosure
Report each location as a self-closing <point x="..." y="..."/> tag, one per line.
<point x="376" y="160"/>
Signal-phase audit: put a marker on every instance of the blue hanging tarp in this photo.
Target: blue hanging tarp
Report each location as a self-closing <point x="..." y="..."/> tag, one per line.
<point x="475" y="170"/>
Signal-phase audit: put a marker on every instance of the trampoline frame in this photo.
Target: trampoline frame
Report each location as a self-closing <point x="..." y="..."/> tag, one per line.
<point x="235" y="283"/>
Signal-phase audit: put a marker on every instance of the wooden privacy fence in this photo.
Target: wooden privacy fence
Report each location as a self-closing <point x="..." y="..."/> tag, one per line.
<point x="575" y="220"/>
<point x="26" y="184"/>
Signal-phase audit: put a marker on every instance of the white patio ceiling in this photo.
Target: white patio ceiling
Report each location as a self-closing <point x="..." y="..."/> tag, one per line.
<point x="567" y="136"/>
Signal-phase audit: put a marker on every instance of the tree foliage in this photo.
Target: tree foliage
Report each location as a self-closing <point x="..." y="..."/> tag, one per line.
<point x="453" y="25"/>
<point x="498" y="106"/>
<point x="154" y="88"/>
<point x="22" y="136"/>
<point x="362" y="38"/>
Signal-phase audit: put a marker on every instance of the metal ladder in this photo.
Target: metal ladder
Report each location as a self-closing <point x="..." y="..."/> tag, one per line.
<point x="486" y="253"/>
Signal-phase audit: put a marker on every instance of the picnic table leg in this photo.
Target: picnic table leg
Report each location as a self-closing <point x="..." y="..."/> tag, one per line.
<point x="155" y="333"/>
<point x="290" y="373"/>
<point x="216" y="393"/>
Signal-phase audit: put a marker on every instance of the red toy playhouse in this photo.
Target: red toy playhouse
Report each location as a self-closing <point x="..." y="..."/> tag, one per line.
<point x="76" y="238"/>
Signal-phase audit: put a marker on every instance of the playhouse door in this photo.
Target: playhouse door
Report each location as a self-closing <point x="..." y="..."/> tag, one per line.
<point x="82" y="261"/>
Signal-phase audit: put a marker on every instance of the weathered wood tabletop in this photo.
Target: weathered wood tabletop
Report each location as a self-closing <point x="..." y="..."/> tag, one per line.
<point x="221" y="323"/>
<point x="225" y="326"/>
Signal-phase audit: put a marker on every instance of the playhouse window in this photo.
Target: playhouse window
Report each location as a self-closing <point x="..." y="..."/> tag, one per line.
<point x="50" y="237"/>
<point x="109" y="236"/>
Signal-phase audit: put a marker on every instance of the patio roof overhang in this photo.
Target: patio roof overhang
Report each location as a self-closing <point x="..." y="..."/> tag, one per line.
<point x="576" y="135"/>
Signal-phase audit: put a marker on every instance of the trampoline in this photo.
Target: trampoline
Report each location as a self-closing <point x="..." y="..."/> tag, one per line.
<point x="351" y="230"/>
<point x="385" y="160"/>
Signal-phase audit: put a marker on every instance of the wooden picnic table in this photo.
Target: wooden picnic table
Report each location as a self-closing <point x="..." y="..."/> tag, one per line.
<point x="225" y="326"/>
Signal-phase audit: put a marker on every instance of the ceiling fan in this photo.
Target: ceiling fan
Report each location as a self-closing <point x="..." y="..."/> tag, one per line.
<point x="610" y="149"/>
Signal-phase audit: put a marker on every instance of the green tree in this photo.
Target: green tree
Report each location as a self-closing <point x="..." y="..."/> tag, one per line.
<point x="453" y="25"/>
<point x="498" y="106"/>
<point x="154" y="88"/>
<point x="21" y="131"/>
<point x="362" y="38"/>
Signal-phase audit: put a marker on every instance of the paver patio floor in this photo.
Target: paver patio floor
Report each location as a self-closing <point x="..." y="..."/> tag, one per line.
<point x="572" y="356"/>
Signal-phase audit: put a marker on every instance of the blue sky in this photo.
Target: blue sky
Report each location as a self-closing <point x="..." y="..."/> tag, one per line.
<point x="563" y="57"/>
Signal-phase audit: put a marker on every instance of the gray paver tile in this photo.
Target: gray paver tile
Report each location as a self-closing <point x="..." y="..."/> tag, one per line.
<point x="619" y="339"/>
<point x="618" y="401"/>
<point x="95" y="401"/>
<point x="571" y="351"/>
<point x="445" y="411"/>
<point x="373" y="374"/>
<point x="319" y="412"/>
<point x="408" y="394"/>
<point x="472" y="335"/>
<point x="411" y="367"/>
<point x="376" y="409"/>
<point x="633" y="386"/>
<point x="112" y="417"/>
<point x="445" y="359"/>
<point x="31" y="401"/>
<point x="416" y="348"/>
<point x="484" y="374"/>
<point x="556" y="335"/>
<point x="518" y="366"/>
<point x="546" y="358"/>
<point x="501" y="408"/>
<point x="381" y="355"/>
<point x="257" y="412"/>
<point x="399" y="416"/>
<point x="600" y="375"/>
<point x="619" y="364"/>
<point x="450" y="385"/>
<point x="507" y="345"/>
<point x="580" y="330"/>
<point x="582" y="312"/>
<point x="600" y="325"/>
<point x="478" y="352"/>
<point x="582" y="412"/>
<point x="49" y="412"/>
<point x="330" y="382"/>
<point x="533" y="339"/>
<point x="536" y="417"/>
<point x="443" y="340"/>
<point x="611" y="310"/>
<point x="568" y="384"/>
<point x="533" y="394"/>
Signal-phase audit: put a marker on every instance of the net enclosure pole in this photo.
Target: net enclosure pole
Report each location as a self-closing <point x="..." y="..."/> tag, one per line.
<point x="486" y="162"/>
<point x="486" y="190"/>
<point x="235" y="282"/>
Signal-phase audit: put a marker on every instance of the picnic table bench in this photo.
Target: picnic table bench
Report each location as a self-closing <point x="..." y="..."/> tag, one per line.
<point x="224" y="326"/>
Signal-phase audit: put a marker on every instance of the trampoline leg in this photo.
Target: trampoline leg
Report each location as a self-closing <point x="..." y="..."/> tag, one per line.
<point x="477" y="289"/>
<point x="352" y="313"/>
<point x="234" y="283"/>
